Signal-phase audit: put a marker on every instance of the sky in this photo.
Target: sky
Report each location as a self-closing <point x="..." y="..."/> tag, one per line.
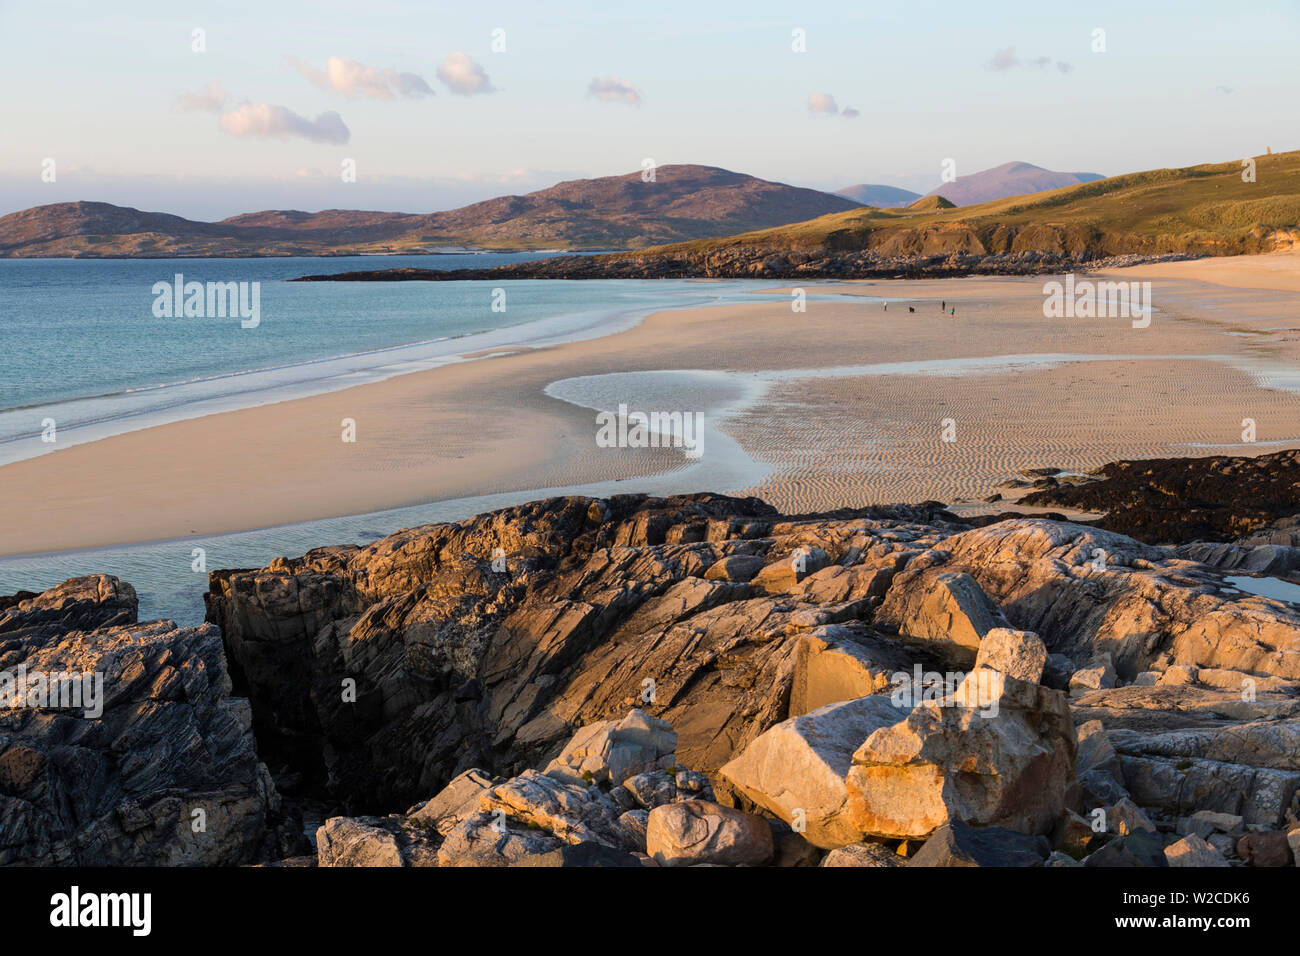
<point x="435" y="105"/>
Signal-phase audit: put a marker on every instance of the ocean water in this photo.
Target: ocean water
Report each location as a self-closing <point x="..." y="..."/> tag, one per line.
<point x="80" y="344"/>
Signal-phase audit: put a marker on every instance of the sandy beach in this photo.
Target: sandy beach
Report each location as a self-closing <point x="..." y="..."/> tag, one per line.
<point x="830" y="420"/>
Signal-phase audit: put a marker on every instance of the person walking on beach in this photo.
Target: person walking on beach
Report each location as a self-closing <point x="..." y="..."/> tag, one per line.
<point x="886" y="305"/>
<point x="943" y="306"/>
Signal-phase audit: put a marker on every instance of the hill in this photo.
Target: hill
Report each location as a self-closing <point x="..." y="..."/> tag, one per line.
<point x="1203" y="210"/>
<point x="682" y="203"/>
<point x="882" y="197"/>
<point x="930" y="204"/>
<point x="1009" y="179"/>
<point x="1198" y="210"/>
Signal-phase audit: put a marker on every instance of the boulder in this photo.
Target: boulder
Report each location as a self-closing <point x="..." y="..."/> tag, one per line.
<point x="948" y="608"/>
<point x="373" y="841"/>
<point x="1192" y="851"/>
<point x="611" y="751"/>
<point x="1139" y="848"/>
<point x="839" y="662"/>
<point x="455" y="802"/>
<point x="696" y="831"/>
<point x="1074" y="835"/>
<point x="956" y="844"/>
<point x="1098" y="675"/>
<point x="1002" y="759"/>
<point x="1125" y="817"/>
<point x="797" y="769"/>
<point x="1018" y="654"/>
<point x="1203" y="823"/>
<point x="863" y="854"/>
<point x="1268" y="848"/>
<point x="492" y="840"/>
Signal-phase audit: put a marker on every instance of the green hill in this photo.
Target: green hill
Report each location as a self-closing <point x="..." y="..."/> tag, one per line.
<point x="1201" y="210"/>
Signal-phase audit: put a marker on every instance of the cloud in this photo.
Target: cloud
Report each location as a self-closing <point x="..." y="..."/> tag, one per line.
<point x="1004" y="59"/>
<point x="822" y="103"/>
<point x="1007" y="60"/>
<point x="277" y="122"/>
<point x="356" y="79"/>
<point x="1225" y="90"/>
<point x="610" y="89"/>
<point x="211" y="99"/>
<point x="463" y="76"/>
<point x="850" y="113"/>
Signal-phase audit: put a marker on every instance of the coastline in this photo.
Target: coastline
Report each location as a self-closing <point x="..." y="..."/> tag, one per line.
<point x="477" y="428"/>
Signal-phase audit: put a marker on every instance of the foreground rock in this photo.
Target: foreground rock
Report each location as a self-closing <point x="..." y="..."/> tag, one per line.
<point x="142" y="757"/>
<point x="797" y="769"/>
<point x="379" y="673"/>
<point x="525" y="639"/>
<point x="696" y="831"/>
<point x="956" y="844"/>
<point x="996" y="752"/>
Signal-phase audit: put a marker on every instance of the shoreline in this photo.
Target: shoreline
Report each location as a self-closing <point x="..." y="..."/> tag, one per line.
<point x="473" y="429"/>
<point x="82" y="420"/>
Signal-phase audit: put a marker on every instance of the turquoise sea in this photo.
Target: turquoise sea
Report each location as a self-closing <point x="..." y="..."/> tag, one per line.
<point x="80" y="344"/>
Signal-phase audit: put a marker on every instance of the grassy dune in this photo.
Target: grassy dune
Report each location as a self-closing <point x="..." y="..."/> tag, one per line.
<point x="1205" y="210"/>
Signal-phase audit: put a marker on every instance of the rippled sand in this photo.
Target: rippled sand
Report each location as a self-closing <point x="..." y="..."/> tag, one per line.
<point x="811" y="438"/>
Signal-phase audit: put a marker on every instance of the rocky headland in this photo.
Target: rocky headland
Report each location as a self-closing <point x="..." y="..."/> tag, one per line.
<point x="692" y="680"/>
<point x="757" y="262"/>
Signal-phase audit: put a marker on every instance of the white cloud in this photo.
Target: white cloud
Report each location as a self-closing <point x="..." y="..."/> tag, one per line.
<point x="850" y="113"/>
<point x="822" y="103"/>
<point x="356" y="79"/>
<point x="1007" y="60"/>
<point x="211" y="98"/>
<point x="610" y="89"/>
<point x="277" y="122"/>
<point x="463" y="76"/>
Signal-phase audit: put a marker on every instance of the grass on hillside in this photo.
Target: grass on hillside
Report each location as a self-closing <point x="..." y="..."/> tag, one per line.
<point x="1198" y="209"/>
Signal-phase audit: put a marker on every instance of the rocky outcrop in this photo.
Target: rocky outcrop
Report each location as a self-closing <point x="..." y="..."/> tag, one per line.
<point x="1087" y="592"/>
<point x="120" y="743"/>
<point x="681" y="681"/>
<point x="934" y="254"/>
<point x="1218" y="498"/>
<point x="606" y="645"/>
<point x="379" y="673"/>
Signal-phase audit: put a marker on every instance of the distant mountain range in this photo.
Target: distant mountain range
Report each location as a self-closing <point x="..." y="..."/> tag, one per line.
<point x="1207" y="210"/>
<point x="682" y="203"/>
<point x="1009" y="179"/>
<point x="882" y="197"/>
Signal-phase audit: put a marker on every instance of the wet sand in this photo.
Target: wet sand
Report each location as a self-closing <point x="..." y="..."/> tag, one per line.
<point x="823" y="425"/>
